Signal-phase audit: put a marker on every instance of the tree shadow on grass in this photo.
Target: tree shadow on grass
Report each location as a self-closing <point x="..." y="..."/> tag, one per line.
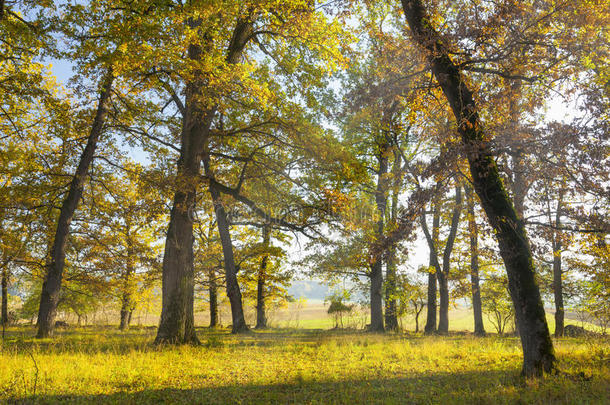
<point x="458" y="388"/>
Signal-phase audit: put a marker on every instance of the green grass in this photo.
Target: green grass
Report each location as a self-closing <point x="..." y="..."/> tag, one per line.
<point x="102" y="365"/>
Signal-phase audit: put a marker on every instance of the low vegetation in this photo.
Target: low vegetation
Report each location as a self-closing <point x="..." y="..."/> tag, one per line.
<point x="103" y="365"/>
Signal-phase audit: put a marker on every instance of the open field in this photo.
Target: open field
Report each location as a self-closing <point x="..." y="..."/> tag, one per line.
<point x="103" y="365"/>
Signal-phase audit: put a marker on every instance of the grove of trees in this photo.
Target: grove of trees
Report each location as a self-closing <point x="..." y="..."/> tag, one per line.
<point x="212" y="152"/>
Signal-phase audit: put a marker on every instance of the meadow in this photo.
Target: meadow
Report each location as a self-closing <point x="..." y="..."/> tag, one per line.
<point x="99" y="364"/>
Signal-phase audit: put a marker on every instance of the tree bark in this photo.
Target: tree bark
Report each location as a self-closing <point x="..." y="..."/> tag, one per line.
<point x="213" y="289"/>
<point x="538" y="352"/>
<point x="51" y="287"/>
<point x="557" y="271"/>
<point x="473" y="229"/>
<point x="261" y="316"/>
<point x="4" y="319"/>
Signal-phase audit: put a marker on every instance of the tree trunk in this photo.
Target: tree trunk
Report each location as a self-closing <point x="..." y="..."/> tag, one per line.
<point x="4" y="319"/>
<point x="177" y="324"/>
<point x="51" y="286"/>
<point x="473" y="229"/>
<point x="128" y="284"/>
<point x="125" y="312"/>
<point x="432" y="239"/>
<point x="377" y="265"/>
<point x="178" y="286"/>
<point x="213" y="289"/>
<point x="443" y="276"/>
<point x="557" y="272"/>
<point x="261" y="316"/>
<point x="391" y="318"/>
<point x="538" y="352"/>
<point x="233" y="292"/>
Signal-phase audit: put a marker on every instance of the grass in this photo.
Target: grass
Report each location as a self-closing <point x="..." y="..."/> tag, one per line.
<point x="103" y="365"/>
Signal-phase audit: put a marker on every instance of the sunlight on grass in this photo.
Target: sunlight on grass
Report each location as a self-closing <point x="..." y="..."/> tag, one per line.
<point x="302" y="366"/>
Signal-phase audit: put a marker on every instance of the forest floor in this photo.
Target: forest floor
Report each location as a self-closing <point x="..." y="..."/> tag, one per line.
<point x="102" y="365"/>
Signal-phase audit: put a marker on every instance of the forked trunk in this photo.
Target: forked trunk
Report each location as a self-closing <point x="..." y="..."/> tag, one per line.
<point x="538" y="352"/>
<point x="51" y="286"/>
<point x="237" y="312"/>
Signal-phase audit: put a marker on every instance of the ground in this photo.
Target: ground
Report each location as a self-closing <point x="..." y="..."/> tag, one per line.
<point x="102" y="365"/>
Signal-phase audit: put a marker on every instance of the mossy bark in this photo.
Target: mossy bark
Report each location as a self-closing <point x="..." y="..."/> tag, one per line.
<point x="538" y="352"/>
<point x="213" y="291"/>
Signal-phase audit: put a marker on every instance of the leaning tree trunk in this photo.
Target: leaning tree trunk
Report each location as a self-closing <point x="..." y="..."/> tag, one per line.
<point x="473" y="230"/>
<point x="557" y="272"/>
<point x="434" y="267"/>
<point x="443" y="276"/>
<point x="51" y="286"/>
<point x="538" y="352"/>
<point x="233" y="292"/>
<point x="261" y="316"/>
<point x="213" y="290"/>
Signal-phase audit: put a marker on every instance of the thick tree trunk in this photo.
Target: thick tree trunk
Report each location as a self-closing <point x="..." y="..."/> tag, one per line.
<point x="51" y="287"/>
<point x="4" y="318"/>
<point x="125" y="312"/>
<point x="177" y="322"/>
<point x="213" y="289"/>
<point x="557" y="272"/>
<point x="473" y="231"/>
<point x="377" y="265"/>
<point x="233" y="292"/>
<point x="538" y="352"/>
<point x="178" y="286"/>
<point x="261" y="315"/>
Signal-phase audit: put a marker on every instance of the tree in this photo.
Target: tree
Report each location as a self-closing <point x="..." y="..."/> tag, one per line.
<point x="442" y="273"/>
<point x="496" y="302"/>
<point x="514" y="245"/>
